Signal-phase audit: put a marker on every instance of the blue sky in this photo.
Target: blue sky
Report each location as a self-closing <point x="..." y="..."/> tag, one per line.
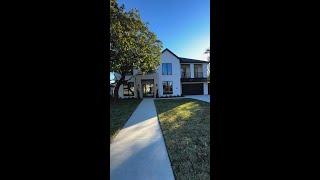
<point x="183" y="26"/>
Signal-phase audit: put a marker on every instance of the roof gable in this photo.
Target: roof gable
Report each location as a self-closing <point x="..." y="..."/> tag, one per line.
<point x="170" y="52"/>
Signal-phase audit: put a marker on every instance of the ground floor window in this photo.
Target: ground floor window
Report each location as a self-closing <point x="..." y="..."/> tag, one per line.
<point x="167" y="87"/>
<point x="128" y="89"/>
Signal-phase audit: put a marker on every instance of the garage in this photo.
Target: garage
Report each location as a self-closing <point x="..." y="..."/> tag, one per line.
<point x="192" y="89"/>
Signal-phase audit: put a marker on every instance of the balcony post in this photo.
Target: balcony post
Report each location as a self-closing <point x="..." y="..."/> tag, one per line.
<point x="192" y="70"/>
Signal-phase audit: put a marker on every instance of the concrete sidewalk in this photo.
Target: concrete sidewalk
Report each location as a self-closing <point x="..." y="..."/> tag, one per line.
<point x="138" y="152"/>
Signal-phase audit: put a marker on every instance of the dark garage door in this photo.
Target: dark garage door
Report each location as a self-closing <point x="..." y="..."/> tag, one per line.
<point x="192" y="89"/>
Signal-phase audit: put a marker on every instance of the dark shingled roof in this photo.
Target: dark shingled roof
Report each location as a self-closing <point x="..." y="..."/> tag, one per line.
<point x="186" y="60"/>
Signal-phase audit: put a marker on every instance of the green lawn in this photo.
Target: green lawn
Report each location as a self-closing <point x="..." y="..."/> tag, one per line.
<point x="185" y="124"/>
<point x="120" y="113"/>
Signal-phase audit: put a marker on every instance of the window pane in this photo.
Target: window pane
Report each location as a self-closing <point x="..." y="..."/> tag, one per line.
<point x="169" y="68"/>
<point x="185" y="72"/>
<point x="167" y="87"/>
<point x="164" y="69"/>
<point x="128" y="89"/>
<point x="198" y="71"/>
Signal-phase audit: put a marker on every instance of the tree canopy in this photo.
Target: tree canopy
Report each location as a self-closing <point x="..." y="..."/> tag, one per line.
<point x="208" y="52"/>
<point x="132" y="44"/>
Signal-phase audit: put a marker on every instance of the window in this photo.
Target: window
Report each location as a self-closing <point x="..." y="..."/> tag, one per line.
<point x="185" y="71"/>
<point x="167" y="87"/>
<point x="198" y="73"/>
<point x="128" y="89"/>
<point x="166" y="69"/>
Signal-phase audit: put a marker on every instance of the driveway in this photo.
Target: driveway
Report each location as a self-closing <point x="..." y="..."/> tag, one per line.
<point x="205" y="98"/>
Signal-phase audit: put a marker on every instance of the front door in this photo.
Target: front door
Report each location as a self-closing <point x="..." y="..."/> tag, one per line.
<point x="147" y="87"/>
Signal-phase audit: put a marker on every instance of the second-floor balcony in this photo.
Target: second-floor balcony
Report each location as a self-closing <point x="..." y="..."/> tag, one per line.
<point x="185" y="75"/>
<point x="188" y="75"/>
<point x="198" y="74"/>
<point x="198" y="77"/>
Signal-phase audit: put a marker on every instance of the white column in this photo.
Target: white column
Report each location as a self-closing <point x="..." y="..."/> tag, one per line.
<point x="121" y="91"/>
<point x="192" y="70"/>
<point x="154" y="85"/>
<point x="138" y="86"/>
<point x="205" y="88"/>
<point x="135" y="86"/>
<point x="204" y="70"/>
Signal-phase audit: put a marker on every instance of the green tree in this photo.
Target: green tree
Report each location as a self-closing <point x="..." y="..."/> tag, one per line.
<point x="132" y="44"/>
<point x="208" y="52"/>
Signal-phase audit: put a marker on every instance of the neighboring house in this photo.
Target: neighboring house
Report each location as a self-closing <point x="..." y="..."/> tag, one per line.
<point x="175" y="76"/>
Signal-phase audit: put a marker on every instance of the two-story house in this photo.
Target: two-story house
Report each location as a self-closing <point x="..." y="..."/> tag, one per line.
<point x="174" y="77"/>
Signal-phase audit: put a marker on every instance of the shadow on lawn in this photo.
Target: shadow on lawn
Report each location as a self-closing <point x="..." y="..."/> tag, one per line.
<point x="120" y="112"/>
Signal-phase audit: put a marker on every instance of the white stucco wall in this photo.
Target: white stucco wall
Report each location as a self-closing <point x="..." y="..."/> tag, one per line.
<point x="192" y="70"/>
<point x="205" y="88"/>
<point x="205" y="69"/>
<point x="167" y="57"/>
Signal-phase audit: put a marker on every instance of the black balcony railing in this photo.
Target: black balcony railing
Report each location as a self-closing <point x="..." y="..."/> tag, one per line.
<point x="185" y="75"/>
<point x="198" y="74"/>
<point x="194" y="79"/>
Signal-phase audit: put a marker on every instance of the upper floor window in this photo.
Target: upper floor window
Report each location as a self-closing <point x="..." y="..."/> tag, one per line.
<point x="185" y="71"/>
<point x="166" y="69"/>
<point x="198" y="71"/>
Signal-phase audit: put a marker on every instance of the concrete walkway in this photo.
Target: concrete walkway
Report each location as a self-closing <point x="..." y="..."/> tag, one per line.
<point x="138" y="152"/>
<point x="205" y="98"/>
